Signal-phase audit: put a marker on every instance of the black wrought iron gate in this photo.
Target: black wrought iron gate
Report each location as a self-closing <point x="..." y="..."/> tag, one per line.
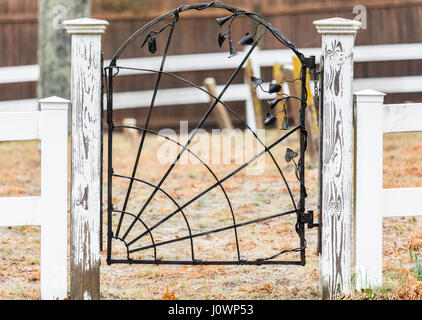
<point x="128" y="234"/>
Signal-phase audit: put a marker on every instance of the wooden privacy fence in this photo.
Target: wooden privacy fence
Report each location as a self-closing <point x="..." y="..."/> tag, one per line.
<point x="50" y="209"/>
<point x="372" y="202"/>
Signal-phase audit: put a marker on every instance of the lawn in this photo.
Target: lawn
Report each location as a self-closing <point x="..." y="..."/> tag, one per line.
<point x="251" y="195"/>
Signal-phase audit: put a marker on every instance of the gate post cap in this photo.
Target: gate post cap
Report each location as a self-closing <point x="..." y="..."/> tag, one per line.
<point x="369" y="95"/>
<point x="85" y="26"/>
<point x="337" y="26"/>
<point x="54" y="103"/>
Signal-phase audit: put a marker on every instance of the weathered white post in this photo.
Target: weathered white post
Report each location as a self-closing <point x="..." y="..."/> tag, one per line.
<point x="336" y="158"/>
<point x="53" y="134"/>
<point x="86" y="161"/>
<point x="368" y="188"/>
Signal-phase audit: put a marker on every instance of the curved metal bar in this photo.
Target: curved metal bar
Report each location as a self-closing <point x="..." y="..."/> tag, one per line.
<point x="201" y="6"/>
<point x="145" y="226"/>
<point x="171" y="198"/>
<point x="124" y="242"/>
<point x="208" y="168"/>
<point x="154" y="95"/>
<point x="222" y="180"/>
<point x="280" y="253"/>
<point x="201" y="122"/>
<point x="280" y="37"/>
<point x="201" y="234"/>
<point x="212" y="262"/>
<point x="230" y="110"/>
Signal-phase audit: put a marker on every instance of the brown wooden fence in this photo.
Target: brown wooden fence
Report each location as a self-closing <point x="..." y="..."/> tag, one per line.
<point x="389" y="21"/>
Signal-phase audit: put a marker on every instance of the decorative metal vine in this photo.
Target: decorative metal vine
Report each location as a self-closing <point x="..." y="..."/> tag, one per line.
<point x="250" y="38"/>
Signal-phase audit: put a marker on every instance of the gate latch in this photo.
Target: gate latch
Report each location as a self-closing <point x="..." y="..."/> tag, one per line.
<point x="308" y="218"/>
<point x="309" y="62"/>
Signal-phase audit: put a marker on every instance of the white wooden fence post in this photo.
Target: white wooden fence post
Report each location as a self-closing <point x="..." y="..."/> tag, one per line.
<point x="53" y="134"/>
<point x="338" y="37"/>
<point x="368" y="188"/>
<point x="249" y="105"/>
<point x="86" y="160"/>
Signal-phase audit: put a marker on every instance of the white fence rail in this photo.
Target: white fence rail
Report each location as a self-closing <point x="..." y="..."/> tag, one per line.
<point x="219" y="61"/>
<point x="50" y="209"/>
<point x="215" y="61"/>
<point x="372" y="202"/>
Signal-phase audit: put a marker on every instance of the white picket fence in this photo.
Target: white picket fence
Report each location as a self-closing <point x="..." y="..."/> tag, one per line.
<point x="372" y="202"/>
<point x="50" y="209"/>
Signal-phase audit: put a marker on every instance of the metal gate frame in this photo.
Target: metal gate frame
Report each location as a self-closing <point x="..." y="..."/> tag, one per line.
<point x="303" y="218"/>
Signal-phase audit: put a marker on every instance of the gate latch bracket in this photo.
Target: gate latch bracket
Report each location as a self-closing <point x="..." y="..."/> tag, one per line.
<point x="308" y="218"/>
<point x="309" y="62"/>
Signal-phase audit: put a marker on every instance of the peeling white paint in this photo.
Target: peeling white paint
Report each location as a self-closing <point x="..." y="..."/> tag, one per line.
<point x="86" y="156"/>
<point x="86" y="144"/>
<point x="337" y="161"/>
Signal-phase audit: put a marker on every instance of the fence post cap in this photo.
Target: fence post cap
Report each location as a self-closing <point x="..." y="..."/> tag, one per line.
<point x="337" y="26"/>
<point x="54" y="103"/>
<point x="369" y="95"/>
<point x="85" y="26"/>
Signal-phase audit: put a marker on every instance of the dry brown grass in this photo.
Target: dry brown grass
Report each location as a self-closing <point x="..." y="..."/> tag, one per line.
<point x="252" y="197"/>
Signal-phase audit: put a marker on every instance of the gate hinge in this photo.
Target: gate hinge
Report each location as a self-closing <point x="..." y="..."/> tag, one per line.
<point x="308" y="218"/>
<point x="309" y="62"/>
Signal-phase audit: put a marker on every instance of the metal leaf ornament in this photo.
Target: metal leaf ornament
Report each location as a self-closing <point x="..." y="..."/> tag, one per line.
<point x="274" y="87"/>
<point x="247" y="39"/>
<point x="233" y="51"/>
<point x="256" y="81"/>
<point x="221" y="39"/>
<point x="152" y="45"/>
<point x="270" y="119"/>
<point x="223" y="20"/>
<point x="290" y="154"/>
<point x="284" y="125"/>
<point x="145" y="40"/>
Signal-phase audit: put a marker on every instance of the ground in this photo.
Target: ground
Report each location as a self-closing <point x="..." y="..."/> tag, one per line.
<point x="252" y="196"/>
